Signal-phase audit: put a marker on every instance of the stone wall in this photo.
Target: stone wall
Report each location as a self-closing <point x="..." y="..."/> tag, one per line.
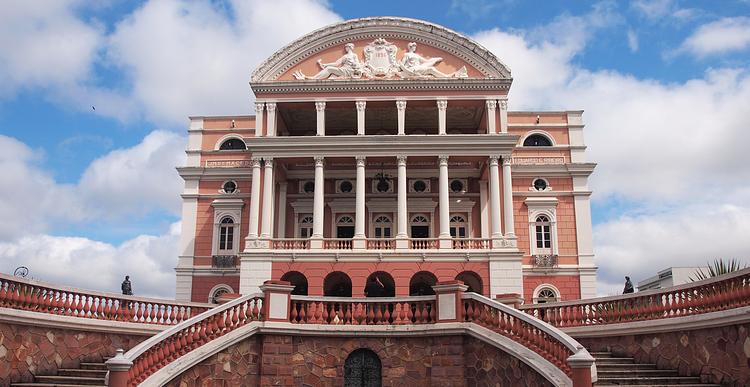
<point x="318" y="361"/>
<point x="27" y="350"/>
<point x="718" y="355"/>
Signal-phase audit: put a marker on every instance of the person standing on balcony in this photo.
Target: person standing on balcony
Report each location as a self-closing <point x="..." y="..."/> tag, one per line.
<point x="127" y="287"/>
<point x="628" y="286"/>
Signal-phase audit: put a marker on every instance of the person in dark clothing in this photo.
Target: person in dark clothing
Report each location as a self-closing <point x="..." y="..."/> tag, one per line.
<point x="628" y="286"/>
<point x="127" y="287"/>
<point x="374" y="288"/>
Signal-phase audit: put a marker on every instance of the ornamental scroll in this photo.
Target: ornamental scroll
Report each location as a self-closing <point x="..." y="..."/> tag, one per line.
<point x="381" y="62"/>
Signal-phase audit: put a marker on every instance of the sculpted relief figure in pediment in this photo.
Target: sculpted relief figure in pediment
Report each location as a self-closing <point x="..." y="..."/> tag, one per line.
<point x="380" y="62"/>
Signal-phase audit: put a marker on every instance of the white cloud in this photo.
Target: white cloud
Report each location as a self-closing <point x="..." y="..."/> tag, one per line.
<point x="641" y="245"/>
<point x="718" y="37"/>
<point x="632" y="40"/>
<point x="653" y="9"/>
<point x="122" y="184"/>
<point x="88" y="264"/>
<point x="192" y="58"/>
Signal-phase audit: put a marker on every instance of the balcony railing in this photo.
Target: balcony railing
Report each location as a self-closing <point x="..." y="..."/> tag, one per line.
<point x="363" y="311"/>
<point x="381" y="244"/>
<point x="544" y="261"/>
<point x="472" y="243"/>
<point x="425" y="243"/>
<point x="337" y="244"/>
<point x="224" y="261"/>
<point x="290" y="244"/>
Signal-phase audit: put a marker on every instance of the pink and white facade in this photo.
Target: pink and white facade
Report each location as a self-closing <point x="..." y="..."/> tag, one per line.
<point x="383" y="147"/>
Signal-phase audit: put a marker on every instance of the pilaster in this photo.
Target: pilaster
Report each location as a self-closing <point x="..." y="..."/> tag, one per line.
<point x="401" y="109"/>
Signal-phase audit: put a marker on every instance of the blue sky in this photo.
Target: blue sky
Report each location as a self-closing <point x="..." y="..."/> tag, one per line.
<point x="94" y="105"/>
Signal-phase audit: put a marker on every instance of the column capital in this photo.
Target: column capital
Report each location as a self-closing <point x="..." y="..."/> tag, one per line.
<point x="320" y="106"/>
<point x="360" y="105"/>
<point x="506" y="160"/>
<point x="361" y="160"/>
<point x="255" y="161"/>
<point x="259" y="106"/>
<point x="268" y="162"/>
<point x="443" y="159"/>
<point x="494" y="159"/>
<point x="442" y="104"/>
<point x="491" y="104"/>
<point x="401" y="104"/>
<point x="271" y="106"/>
<point x="503" y="104"/>
<point x="319" y="161"/>
<point x="401" y="159"/>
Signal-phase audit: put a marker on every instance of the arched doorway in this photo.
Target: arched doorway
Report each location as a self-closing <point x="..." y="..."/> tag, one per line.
<point x="337" y="284"/>
<point x="421" y="284"/>
<point x="362" y="369"/>
<point x="298" y="280"/>
<point x="472" y="280"/>
<point x="380" y="284"/>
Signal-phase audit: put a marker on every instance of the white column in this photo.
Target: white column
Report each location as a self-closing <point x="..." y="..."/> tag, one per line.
<point x="265" y="232"/>
<point x="271" y="123"/>
<point x="318" y="203"/>
<point x="401" y="107"/>
<point x="359" y="216"/>
<point x="403" y="222"/>
<point x="442" y="106"/>
<point x="503" y="116"/>
<point x="259" y="119"/>
<point x="495" y="197"/>
<point x="320" y="108"/>
<point x="484" y="214"/>
<point x="491" y="116"/>
<point x="360" y="117"/>
<point x="252" y="233"/>
<point x="445" y="233"/>
<point x="510" y="230"/>
<point x="281" y="225"/>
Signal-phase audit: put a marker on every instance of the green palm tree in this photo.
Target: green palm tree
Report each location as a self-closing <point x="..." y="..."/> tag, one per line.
<point x="719" y="267"/>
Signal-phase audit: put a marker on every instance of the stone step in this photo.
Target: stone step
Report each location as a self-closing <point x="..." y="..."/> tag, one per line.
<point x="648" y="381"/>
<point x="79" y="380"/>
<point x="93" y="366"/>
<point x="81" y="372"/>
<point x="598" y="355"/>
<point x="635" y="373"/>
<point x="54" y="385"/>
<point x="617" y="367"/>
<point x="615" y="360"/>
<point x="663" y="385"/>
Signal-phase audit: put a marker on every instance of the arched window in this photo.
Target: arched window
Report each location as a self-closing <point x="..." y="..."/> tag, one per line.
<point x="383" y="226"/>
<point x="546" y="294"/>
<point x="472" y="280"/>
<point x="543" y="235"/>
<point x="537" y="140"/>
<point x="458" y="226"/>
<point x="337" y="284"/>
<point x="362" y="368"/>
<point x="345" y="227"/>
<point x="233" y="144"/>
<point x="345" y="220"/>
<point x="298" y="280"/>
<point x="226" y="235"/>
<point x="305" y="226"/>
<point x="421" y="284"/>
<point x="420" y="226"/>
<point x="217" y="292"/>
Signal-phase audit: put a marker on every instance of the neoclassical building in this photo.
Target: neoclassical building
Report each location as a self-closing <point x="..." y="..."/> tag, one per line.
<point x="382" y="151"/>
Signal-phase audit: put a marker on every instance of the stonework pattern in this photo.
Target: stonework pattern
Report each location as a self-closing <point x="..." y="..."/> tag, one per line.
<point x="26" y="351"/>
<point x="273" y="360"/>
<point x="718" y="355"/>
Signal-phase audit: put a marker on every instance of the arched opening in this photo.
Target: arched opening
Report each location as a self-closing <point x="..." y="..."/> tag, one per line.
<point x="545" y="294"/>
<point x="233" y="144"/>
<point x="458" y="226"/>
<point x="362" y="368"/>
<point x="217" y="293"/>
<point x="421" y="284"/>
<point x="380" y="284"/>
<point x="298" y="280"/>
<point x="472" y="280"/>
<point x="337" y="284"/>
<point x="537" y="140"/>
<point x="226" y="235"/>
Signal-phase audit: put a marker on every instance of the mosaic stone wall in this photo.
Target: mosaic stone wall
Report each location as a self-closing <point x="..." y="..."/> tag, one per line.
<point x="718" y="355"/>
<point x="28" y="350"/>
<point x="318" y="361"/>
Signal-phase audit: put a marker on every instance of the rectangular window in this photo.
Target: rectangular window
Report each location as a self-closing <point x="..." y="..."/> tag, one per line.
<point x="378" y="232"/>
<point x="387" y="232"/>
<point x="226" y="238"/>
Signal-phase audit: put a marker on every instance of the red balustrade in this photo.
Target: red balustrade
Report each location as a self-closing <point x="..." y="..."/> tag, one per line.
<point x="36" y="296"/>
<point x="337" y="244"/>
<point x="425" y="243"/>
<point x="543" y="339"/>
<point x="363" y="311"/>
<point x="155" y="353"/>
<point x="381" y="244"/>
<point x="711" y="295"/>
<point x="290" y="244"/>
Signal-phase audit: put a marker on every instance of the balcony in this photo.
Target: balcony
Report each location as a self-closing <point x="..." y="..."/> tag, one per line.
<point x="224" y="261"/>
<point x="390" y="244"/>
<point x="544" y="261"/>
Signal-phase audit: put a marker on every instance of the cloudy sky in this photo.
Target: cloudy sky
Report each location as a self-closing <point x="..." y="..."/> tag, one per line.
<point x="94" y="105"/>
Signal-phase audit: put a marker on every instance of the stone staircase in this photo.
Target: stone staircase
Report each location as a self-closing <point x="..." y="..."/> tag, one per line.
<point x="623" y="371"/>
<point x="87" y="375"/>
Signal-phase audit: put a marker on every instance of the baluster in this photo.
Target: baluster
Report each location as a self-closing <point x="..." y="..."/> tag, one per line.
<point x="348" y="315"/>
<point x="325" y="315"/>
<point x="378" y="313"/>
<point x="370" y="317"/>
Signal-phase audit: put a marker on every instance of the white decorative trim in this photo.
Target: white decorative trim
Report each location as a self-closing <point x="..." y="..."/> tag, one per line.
<point x="542" y="206"/>
<point x="428" y="187"/>
<point x="227" y="208"/>
<point x="546" y="183"/>
<point x="539" y="132"/>
<point x="535" y="294"/>
<point x="217" y="287"/>
<point x="226" y="137"/>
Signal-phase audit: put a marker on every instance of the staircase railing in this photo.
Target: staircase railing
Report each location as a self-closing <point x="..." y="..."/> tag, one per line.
<point x="41" y="297"/>
<point x="711" y="295"/>
<point x="151" y="355"/>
